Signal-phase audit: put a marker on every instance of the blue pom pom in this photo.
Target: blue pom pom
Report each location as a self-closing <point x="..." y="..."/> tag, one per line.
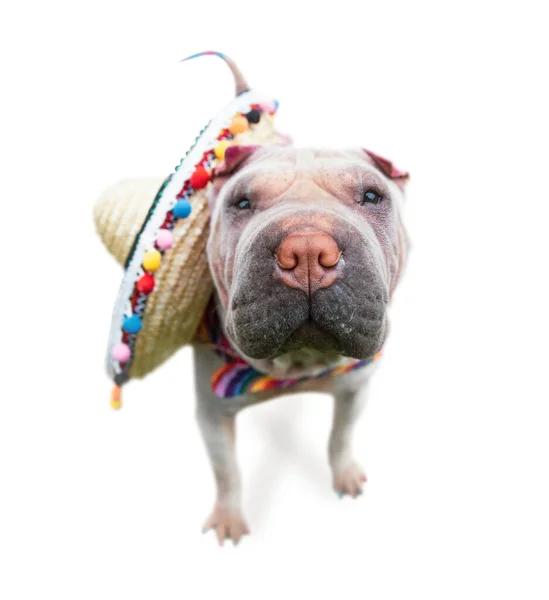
<point x="132" y="324"/>
<point x="182" y="209"/>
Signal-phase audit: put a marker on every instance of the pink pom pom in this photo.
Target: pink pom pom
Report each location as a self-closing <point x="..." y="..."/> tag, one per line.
<point x="268" y="107"/>
<point x="121" y="353"/>
<point x="164" y="239"/>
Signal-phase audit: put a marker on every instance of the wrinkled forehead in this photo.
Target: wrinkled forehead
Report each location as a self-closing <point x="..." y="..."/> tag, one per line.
<point x="274" y="170"/>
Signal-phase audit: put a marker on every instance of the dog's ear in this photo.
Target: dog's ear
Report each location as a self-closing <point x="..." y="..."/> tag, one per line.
<point x="234" y="157"/>
<point x="388" y="169"/>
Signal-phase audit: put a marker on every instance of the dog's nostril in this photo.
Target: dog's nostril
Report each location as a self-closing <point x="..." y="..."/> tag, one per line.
<point x="329" y="256"/>
<point x="287" y="257"/>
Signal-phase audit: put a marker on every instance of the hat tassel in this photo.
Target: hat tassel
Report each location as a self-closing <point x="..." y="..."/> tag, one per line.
<point x="116" y="397"/>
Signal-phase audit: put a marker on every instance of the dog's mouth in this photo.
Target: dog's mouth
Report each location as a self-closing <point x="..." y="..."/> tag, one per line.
<point x="308" y="351"/>
<point x="309" y="336"/>
<point x="309" y="347"/>
<point x="335" y="321"/>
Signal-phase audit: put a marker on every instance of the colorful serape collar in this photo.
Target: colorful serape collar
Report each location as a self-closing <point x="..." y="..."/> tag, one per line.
<point x="237" y="377"/>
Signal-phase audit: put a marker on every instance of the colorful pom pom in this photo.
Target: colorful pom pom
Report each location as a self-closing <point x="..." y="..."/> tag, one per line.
<point x="121" y="353"/>
<point x="239" y="124"/>
<point x="219" y="150"/>
<point x="164" y="239"/>
<point x="145" y="284"/>
<point x="254" y="116"/>
<point x="132" y="324"/>
<point x="268" y="107"/>
<point x="152" y="260"/>
<point x="182" y="209"/>
<point x="200" y="178"/>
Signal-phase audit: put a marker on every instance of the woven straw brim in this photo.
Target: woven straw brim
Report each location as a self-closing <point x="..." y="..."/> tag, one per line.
<point x="168" y="316"/>
<point x="121" y="211"/>
<point x="183" y="284"/>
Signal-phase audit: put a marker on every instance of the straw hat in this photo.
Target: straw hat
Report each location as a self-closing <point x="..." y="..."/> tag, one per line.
<point x="158" y="229"/>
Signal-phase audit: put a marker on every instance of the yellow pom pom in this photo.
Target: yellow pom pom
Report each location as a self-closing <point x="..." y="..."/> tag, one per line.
<point x="238" y="125"/>
<point x="116" y="398"/>
<point x="152" y="260"/>
<point x="219" y="150"/>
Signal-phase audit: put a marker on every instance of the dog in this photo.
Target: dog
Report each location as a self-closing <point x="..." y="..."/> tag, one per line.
<point x="306" y="248"/>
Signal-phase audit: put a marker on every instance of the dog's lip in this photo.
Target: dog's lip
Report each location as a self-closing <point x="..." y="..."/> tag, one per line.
<point x="309" y="334"/>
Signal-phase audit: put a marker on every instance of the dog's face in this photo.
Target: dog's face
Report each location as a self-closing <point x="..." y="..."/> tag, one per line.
<point x="306" y="248"/>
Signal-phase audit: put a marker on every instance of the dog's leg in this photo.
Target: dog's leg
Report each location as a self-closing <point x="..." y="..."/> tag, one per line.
<point x="350" y="399"/>
<point x="216" y="418"/>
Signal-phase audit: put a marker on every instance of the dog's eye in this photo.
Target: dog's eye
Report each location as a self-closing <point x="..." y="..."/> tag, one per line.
<point x="243" y="204"/>
<point x="371" y="197"/>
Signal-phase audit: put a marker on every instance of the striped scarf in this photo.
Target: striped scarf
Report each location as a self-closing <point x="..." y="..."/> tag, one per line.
<point x="237" y="377"/>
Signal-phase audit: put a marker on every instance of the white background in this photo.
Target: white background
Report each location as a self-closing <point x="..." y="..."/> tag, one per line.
<point x="96" y="504"/>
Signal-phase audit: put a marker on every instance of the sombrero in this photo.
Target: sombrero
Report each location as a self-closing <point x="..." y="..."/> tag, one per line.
<point x="158" y="230"/>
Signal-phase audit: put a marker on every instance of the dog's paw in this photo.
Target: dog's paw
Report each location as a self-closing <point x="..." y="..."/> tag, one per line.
<point x="226" y="524"/>
<point x="349" y="481"/>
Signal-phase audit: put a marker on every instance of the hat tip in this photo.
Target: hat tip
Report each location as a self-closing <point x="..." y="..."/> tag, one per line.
<point x="241" y="85"/>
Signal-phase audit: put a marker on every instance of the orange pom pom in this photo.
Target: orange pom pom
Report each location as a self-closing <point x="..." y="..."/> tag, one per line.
<point x="239" y="124"/>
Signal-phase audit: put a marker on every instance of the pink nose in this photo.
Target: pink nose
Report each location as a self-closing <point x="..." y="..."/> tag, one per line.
<point x="308" y="260"/>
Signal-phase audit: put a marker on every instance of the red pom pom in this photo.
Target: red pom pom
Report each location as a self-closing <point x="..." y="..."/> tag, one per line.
<point x="200" y="178"/>
<point x="146" y="284"/>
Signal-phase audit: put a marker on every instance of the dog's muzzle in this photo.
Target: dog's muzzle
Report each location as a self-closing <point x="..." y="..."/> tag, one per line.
<point x="312" y="287"/>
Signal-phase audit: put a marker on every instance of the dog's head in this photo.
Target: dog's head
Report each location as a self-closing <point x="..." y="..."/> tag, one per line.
<point x="306" y="247"/>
